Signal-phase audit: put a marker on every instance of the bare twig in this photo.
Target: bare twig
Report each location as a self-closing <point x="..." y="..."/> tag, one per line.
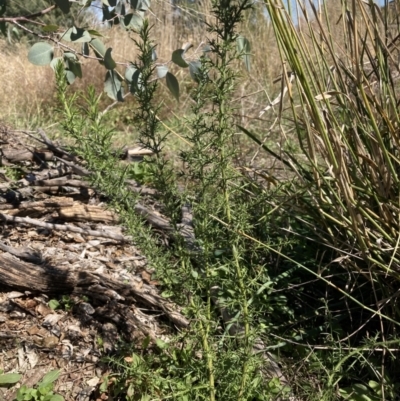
<point x="28" y="18"/>
<point x="77" y="169"/>
<point x="50" y="144"/>
<point x="59" y="182"/>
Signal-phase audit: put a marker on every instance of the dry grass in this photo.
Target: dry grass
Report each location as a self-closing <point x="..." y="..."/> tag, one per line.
<point x="29" y="89"/>
<point x="26" y="89"/>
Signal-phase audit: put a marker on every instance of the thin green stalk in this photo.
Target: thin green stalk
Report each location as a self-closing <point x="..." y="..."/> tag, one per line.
<point x="205" y="344"/>
<point x="280" y="254"/>
<point x="246" y="317"/>
<point x="358" y="350"/>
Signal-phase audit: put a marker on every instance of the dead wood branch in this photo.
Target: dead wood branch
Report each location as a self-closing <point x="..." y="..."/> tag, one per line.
<point x="55" y="203"/>
<point x="28" y="18"/>
<point x="38" y="207"/>
<point x="58" y="182"/>
<point x="79" y="212"/>
<point x="66" y="227"/>
<point x="136" y="154"/>
<point x="55" y="172"/>
<point x="75" y="167"/>
<point x="153" y="218"/>
<point x="23" y="253"/>
<point x="50" y="279"/>
<point x="19" y="155"/>
<point x="136" y="187"/>
<point x="130" y="317"/>
<point x="84" y="192"/>
<point x="54" y="148"/>
<point x="157" y="221"/>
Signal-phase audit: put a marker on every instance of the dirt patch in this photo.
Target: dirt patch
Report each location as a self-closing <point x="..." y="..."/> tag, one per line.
<point x="73" y="285"/>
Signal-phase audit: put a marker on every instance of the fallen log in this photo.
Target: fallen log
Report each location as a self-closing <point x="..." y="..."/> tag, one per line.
<point x="23" y="253"/>
<point x="59" y="182"/>
<point x="36" y="208"/>
<point x="14" y="155"/>
<point x="62" y="227"/>
<point x="80" y="212"/>
<point x="60" y="280"/>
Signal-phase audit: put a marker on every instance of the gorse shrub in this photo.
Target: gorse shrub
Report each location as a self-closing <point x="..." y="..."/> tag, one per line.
<point x="222" y="276"/>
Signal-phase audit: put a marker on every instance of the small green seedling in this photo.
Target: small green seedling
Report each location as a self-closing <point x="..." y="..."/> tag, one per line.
<point x="66" y="303"/>
<point x="7" y="379"/>
<point x="43" y="391"/>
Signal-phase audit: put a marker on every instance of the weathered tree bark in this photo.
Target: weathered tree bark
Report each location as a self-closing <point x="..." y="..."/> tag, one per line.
<point x="79" y="212"/>
<point x="18" y="155"/>
<point x="53" y="279"/>
<point x="63" y="227"/>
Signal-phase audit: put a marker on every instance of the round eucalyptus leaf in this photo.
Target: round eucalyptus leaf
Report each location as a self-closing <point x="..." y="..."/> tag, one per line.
<point x="98" y="46"/>
<point x="162" y="71"/>
<point x="137" y="83"/>
<point x="130" y="70"/>
<point x="243" y="47"/>
<point x="186" y="47"/>
<point x="16" y="33"/>
<point x="195" y="70"/>
<point x="3" y="8"/>
<point x="85" y="49"/>
<point x="113" y="86"/>
<point x="70" y="56"/>
<point x="63" y="5"/>
<point x="72" y="64"/>
<point x="3" y="27"/>
<point x="247" y="61"/>
<point x="133" y="21"/>
<point x="120" y="9"/>
<point x="70" y="76"/>
<point x="173" y="85"/>
<point x="99" y="49"/>
<point x="140" y="5"/>
<point x="41" y="53"/>
<point x="177" y="58"/>
<point x="77" y="35"/>
<point x="109" y="62"/>
<point x="55" y="62"/>
<point x="75" y="67"/>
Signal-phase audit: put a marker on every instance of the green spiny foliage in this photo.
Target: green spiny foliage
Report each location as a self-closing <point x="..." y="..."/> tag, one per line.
<point x="42" y="391"/>
<point x="208" y="361"/>
<point x="144" y="86"/>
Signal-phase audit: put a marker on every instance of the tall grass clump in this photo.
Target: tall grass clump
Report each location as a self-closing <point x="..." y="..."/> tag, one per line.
<point x="342" y="79"/>
<point x="18" y="77"/>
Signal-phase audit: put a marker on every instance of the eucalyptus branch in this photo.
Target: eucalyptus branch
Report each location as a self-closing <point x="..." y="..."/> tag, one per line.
<point x="28" y="18"/>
